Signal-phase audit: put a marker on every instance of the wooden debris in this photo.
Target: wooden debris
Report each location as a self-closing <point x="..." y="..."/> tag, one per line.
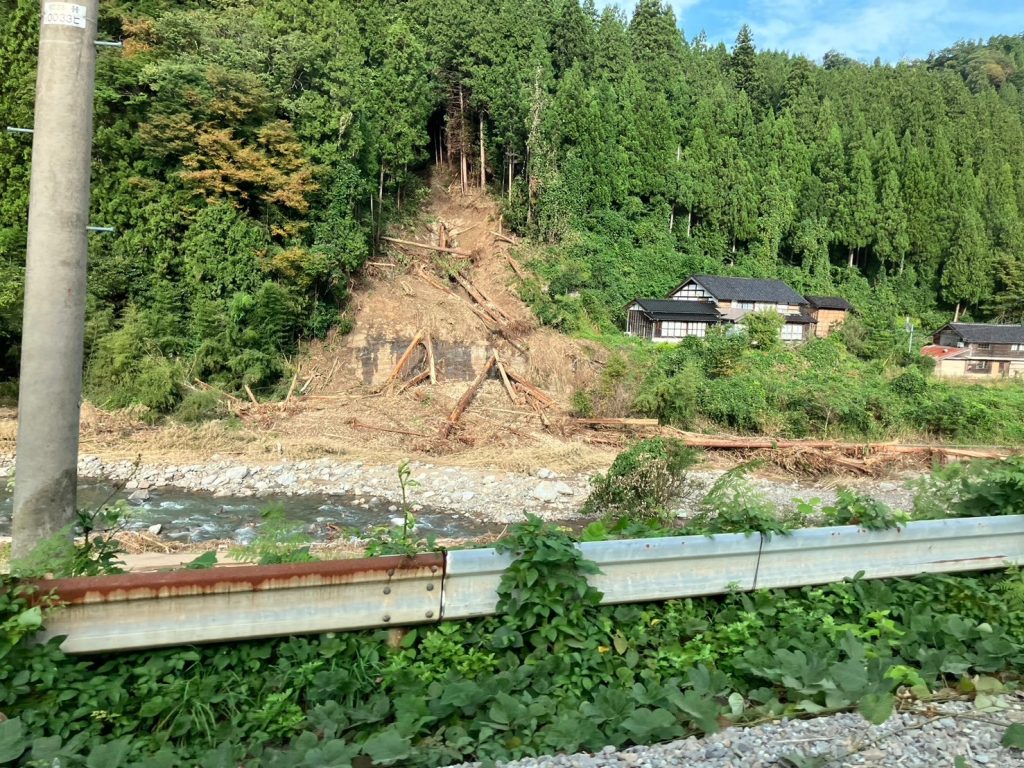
<point x="397" y="370"/>
<point x="427" y="246"/>
<point x="467" y="398"/>
<point x="505" y="381"/>
<point x="431" y="368"/>
<point x="291" y="389"/>
<point x="252" y="397"/>
<point x="536" y="394"/>
<point x="515" y="267"/>
<point x="504" y="238"/>
<point x="419" y="378"/>
<point x="356" y="424"/>
<point x="617" y="422"/>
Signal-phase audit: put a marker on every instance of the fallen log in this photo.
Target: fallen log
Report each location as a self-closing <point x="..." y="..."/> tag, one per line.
<point x="504" y="238"/>
<point x="419" y="378"/>
<point x="505" y="381"/>
<point x="490" y="307"/>
<point x="431" y="369"/>
<point x="250" y="394"/>
<point x="404" y="359"/>
<point x="467" y="398"/>
<point x="427" y="246"/>
<point x="356" y="424"/>
<point x="617" y="422"/>
<point x="535" y="393"/>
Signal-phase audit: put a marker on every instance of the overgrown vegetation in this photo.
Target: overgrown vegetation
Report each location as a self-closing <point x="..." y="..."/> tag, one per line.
<point x="553" y="672"/>
<point x="860" y="383"/>
<point x="249" y="153"/>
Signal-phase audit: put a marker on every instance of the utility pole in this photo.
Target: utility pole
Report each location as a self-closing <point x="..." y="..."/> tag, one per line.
<point x="55" y="273"/>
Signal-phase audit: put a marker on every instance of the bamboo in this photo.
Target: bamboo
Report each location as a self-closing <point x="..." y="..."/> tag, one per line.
<point x="467" y="398"/>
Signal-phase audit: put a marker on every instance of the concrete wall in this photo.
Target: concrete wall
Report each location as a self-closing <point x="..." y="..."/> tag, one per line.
<point x="376" y="356"/>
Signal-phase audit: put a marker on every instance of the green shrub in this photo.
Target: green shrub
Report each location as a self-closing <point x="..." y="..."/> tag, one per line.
<point x="582" y="404"/>
<point x="200" y="406"/>
<point x="643" y="480"/>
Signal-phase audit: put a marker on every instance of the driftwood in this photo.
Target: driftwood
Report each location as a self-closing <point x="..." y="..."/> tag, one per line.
<point x="467" y="398"/>
<point x="397" y="370"/>
<point x="419" y="378"/>
<point x="291" y="389"/>
<point x="252" y="397"/>
<point x="427" y="246"/>
<point x="431" y="368"/>
<point x="617" y="422"/>
<point x="505" y="382"/>
<point x="504" y="238"/>
<point x="536" y="394"/>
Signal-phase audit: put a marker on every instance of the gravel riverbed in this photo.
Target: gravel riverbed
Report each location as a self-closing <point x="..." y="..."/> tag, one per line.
<point x="498" y="497"/>
<point x="933" y="739"/>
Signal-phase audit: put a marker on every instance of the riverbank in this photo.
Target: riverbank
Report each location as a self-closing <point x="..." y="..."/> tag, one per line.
<point x="486" y="496"/>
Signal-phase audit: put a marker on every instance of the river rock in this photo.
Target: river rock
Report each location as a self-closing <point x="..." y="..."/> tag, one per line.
<point x="140" y="496"/>
<point x="545" y="474"/>
<point x="563" y="488"/>
<point x="154" y="530"/>
<point x="237" y="474"/>
<point x="546" y="492"/>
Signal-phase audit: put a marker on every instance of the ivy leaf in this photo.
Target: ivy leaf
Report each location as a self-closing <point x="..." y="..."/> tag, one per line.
<point x="1014" y="736"/>
<point x="645" y="725"/>
<point x="31" y="619"/>
<point x="109" y="755"/>
<point x="12" y="740"/>
<point x="876" y="707"/>
<point x="387" y="746"/>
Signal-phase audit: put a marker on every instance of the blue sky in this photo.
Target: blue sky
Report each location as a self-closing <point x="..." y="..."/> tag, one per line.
<point x="890" y="29"/>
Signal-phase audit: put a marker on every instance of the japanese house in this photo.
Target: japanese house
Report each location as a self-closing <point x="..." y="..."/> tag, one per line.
<point x="703" y="301"/>
<point x="978" y="351"/>
<point x="828" y="312"/>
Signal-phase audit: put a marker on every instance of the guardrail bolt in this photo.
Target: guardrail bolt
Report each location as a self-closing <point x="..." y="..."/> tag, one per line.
<point x="386" y="618"/>
<point x="430" y="614"/>
<point x="430" y="587"/>
<point x="391" y="571"/>
<point x="433" y="569"/>
<point x="387" y="590"/>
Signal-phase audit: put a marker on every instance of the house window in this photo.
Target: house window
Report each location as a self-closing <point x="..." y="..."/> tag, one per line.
<point x="983" y="347"/>
<point x="792" y="332"/>
<point x="979" y="366"/>
<point x="671" y="329"/>
<point x="746" y="305"/>
<point x="1016" y="347"/>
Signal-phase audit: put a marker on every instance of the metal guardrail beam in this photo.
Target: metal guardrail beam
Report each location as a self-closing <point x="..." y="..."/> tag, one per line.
<point x="151" y="610"/>
<point x="185" y="607"/>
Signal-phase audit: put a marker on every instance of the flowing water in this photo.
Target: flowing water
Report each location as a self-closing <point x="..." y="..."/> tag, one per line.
<point x="194" y="516"/>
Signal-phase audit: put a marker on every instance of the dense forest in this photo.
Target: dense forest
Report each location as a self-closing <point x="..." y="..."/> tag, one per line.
<point x="248" y="154"/>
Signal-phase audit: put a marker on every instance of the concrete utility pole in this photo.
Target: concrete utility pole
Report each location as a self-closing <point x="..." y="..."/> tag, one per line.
<point x="51" y="353"/>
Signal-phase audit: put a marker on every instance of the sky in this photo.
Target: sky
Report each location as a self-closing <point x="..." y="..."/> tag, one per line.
<point x="891" y="30"/>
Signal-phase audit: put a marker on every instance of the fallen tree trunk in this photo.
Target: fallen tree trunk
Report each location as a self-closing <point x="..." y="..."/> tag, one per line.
<point x="428" y="247"/>
<point x="617" y="422"/>
<point x="467" y="398"/>
<point x="419" y="378"/>
<point x="397" y="370"/>
<point x="505" y="382"/>
<point x="535" y="393"/>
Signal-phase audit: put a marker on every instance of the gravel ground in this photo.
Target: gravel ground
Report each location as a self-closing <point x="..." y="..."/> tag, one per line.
<point x="498" y="497"/>
<point x="930" y="740"/>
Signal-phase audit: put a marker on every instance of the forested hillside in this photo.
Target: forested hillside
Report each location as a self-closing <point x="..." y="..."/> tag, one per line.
<point x="248" y="154"/>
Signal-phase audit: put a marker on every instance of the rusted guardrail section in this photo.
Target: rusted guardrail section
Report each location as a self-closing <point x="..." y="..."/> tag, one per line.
<point x="150" y="610"/>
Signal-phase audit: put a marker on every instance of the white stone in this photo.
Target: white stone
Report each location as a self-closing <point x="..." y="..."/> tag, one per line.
<point x="139" y="496"/>
<point x="563" y="488"/>
<point x="155" y="529"/>
<point x="545" y="474"/>
<point x="235" y="474"/>
<point x="468" y="496"/>
<point x="546" y="492"/>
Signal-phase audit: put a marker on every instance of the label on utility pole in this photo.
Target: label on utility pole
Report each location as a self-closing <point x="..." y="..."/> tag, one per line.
<point x="64" y="15"/>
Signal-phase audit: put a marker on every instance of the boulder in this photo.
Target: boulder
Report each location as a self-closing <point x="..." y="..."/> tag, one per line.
<point x="546" y="492"/>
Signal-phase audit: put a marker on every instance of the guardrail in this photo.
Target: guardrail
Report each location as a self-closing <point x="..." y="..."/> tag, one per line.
<point x="184" y="607"/>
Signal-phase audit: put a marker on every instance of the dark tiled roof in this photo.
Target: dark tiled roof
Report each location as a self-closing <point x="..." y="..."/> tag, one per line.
<point x="985" y="333"/>
<point x="668" y="309"/>
<point x="828" y="302"/>
<point x="748" y="289"/>
<point x="800" y="319"/>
